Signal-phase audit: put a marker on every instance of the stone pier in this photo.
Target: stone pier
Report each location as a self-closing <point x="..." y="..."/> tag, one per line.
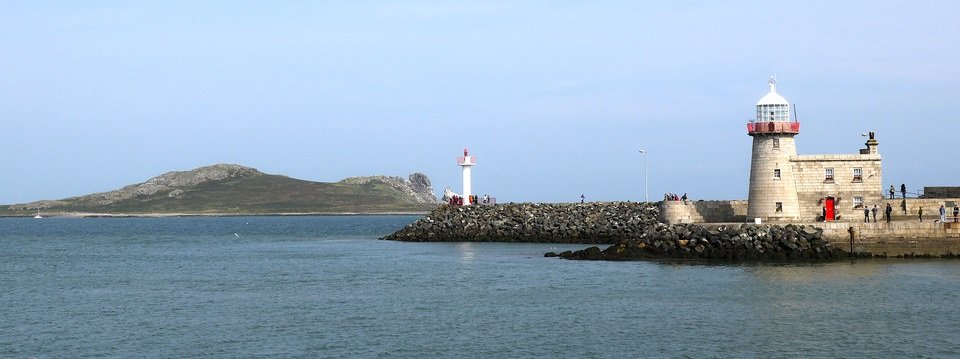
<point x="639" y="228"/>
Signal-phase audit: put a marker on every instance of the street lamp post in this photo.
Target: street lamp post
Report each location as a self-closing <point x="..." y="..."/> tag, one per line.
<point x="646" y="197"/>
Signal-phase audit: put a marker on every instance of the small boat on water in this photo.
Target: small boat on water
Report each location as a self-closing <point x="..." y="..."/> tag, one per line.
<point x="38" y="216"/>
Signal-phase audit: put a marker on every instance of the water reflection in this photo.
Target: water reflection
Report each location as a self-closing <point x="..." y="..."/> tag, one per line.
<point x="467" y="252"/>
<point x="798" y="272"/>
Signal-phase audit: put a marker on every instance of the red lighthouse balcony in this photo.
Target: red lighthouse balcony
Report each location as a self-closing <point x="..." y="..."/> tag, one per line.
<point x="466" y="160"/>
<point x="769" y="127"/>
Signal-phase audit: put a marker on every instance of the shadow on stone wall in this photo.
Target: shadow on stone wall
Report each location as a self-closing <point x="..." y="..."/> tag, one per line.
<point x="722" y="212"/>
<point x="704" y="211"/>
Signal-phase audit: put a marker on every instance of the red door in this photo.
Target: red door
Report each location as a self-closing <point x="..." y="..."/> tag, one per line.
<point x="830" y="214"/>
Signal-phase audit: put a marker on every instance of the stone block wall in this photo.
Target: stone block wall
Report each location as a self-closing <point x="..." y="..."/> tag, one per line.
<point x="703" y="211"/>
<point x="838" y="231"/>
<point x="735" y="211"/>
<point x="896" y="239"/>
<point x="812" y="186"/>
<point x="772" y="154"/>
<point x="931" y="208"/>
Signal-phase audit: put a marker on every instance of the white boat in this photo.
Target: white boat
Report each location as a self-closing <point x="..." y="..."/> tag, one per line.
<point x="38" y="216"/>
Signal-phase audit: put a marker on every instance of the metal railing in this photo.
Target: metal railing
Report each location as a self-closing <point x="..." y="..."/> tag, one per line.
<point x="468" y="160"/>
<point x="773" y="127"/>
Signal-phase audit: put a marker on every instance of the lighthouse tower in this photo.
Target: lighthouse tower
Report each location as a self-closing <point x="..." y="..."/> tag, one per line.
<point x="466" y="162"/>
<point x="773" y="190"/>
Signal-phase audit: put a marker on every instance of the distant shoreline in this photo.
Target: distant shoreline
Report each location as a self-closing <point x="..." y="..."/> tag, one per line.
<point x="166" y="215"/>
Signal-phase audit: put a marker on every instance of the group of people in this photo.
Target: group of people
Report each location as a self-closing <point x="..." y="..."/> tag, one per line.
<point x="943" y="213"/>
<point x="903" y="191"/>
<point x="669" y="196"/>
<point x="457" y="200"/>
<point x="888" y="213"/>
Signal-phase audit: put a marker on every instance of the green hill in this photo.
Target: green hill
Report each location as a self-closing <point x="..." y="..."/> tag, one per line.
<point x="233" y="189"/>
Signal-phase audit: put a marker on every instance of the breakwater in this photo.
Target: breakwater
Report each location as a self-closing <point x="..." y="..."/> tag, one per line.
<point x="728" y="242"/>
<point x="633" y="229"/>
<point x="589" y="223"/>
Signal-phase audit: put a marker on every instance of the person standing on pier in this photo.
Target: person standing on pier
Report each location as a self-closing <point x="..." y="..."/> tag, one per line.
<point x="956" y="212"/>
<point x="866" y="214"/>
<point x="903" y="190"/>
<point x="943" y="214"/>
<point x="874" y="213"/>
<point x="889" y="212"/>
<point x="892" y="191"/>
<point x="920" y="213"/>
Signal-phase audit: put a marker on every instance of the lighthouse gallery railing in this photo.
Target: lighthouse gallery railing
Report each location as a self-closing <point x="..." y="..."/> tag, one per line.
<point x="773" y="127"/>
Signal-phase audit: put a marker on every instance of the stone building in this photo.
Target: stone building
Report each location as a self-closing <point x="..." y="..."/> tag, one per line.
<point x="835" y="188"/>
<point x="787" y="187"/>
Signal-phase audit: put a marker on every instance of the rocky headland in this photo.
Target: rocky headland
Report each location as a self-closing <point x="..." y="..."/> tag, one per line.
<point x="229" y="189"/>
<point x="632" y="228"/>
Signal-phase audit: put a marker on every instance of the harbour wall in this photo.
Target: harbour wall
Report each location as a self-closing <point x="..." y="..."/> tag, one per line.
<point x="613" y="222"/>
<point x="735" y="211"/>
<point x="895" y="239"/>
<point x="905" y="235"/>
<point x="674" y="212"/>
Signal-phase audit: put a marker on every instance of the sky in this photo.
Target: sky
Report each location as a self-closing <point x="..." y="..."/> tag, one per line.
<point x="554" y="98"/>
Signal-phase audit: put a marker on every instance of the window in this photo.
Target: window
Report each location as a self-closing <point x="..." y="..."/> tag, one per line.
<point x="828" y="174"/>
<point x="779" y="207"/>
<point x="776" y="174"/>
<point x="776" y="143"/>
<point x="773" y="113"/>
<point x="857" y="202"/>
<point x="858" y="174"/>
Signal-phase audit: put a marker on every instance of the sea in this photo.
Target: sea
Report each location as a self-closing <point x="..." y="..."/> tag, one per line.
<point x="327" y="287"/>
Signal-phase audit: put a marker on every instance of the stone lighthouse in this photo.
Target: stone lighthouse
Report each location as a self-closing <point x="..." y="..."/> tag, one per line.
<point x="773" y="189"/>
<point x="466" y="162"/>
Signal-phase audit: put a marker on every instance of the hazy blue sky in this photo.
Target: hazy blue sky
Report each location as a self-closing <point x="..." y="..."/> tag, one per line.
<point x="554" y="98"/>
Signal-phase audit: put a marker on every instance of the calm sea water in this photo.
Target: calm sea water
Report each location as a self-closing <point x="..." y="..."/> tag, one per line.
<point x="326" y="287"/>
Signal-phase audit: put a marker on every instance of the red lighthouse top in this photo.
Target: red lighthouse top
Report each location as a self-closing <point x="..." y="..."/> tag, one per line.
<point x="466" y="160"/>
<point x="773" y="115"/>
<point x="772" y="127"/>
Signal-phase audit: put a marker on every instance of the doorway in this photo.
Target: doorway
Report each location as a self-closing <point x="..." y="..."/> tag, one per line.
<point x="829" y="213"/>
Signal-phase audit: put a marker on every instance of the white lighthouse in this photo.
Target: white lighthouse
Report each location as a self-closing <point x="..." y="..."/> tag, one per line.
<point x="466" y="162"/>
<point x="773" y="189"/>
